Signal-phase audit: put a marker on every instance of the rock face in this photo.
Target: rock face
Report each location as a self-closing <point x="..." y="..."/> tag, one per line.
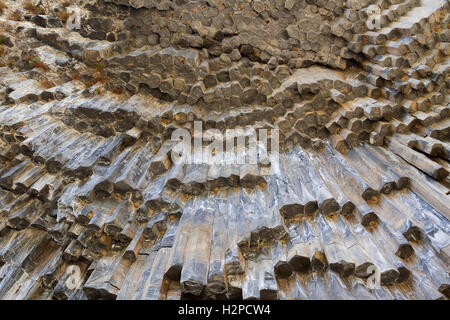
<point x="92" y="206"/>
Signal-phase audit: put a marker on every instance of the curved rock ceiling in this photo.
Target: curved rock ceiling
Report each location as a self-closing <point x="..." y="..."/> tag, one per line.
<point x="88" y="192"/>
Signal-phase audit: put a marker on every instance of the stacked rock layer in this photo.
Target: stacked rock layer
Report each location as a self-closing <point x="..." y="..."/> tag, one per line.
<point x="92" y="206"/>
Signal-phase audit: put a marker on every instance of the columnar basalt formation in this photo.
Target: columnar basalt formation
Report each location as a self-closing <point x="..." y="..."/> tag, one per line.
<point x="89" y="193"/>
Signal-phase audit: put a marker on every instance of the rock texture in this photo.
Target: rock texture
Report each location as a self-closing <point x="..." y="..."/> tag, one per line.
<point x="87" y="184"/>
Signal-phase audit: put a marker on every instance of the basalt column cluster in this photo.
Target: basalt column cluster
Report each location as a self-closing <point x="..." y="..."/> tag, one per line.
<point x="89" y="193"/>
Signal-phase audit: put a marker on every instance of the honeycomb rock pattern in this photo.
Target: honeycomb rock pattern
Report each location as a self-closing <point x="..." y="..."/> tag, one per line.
<point x="87" y="181"/>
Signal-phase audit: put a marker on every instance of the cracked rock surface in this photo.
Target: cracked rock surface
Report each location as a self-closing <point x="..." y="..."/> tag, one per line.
<point x="87" y="181"/>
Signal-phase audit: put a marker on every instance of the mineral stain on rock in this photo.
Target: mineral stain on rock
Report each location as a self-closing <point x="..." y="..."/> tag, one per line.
<point x="92" y="205"/>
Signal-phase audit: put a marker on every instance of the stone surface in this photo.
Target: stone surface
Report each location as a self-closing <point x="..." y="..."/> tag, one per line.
<point x="87" y="181"/>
